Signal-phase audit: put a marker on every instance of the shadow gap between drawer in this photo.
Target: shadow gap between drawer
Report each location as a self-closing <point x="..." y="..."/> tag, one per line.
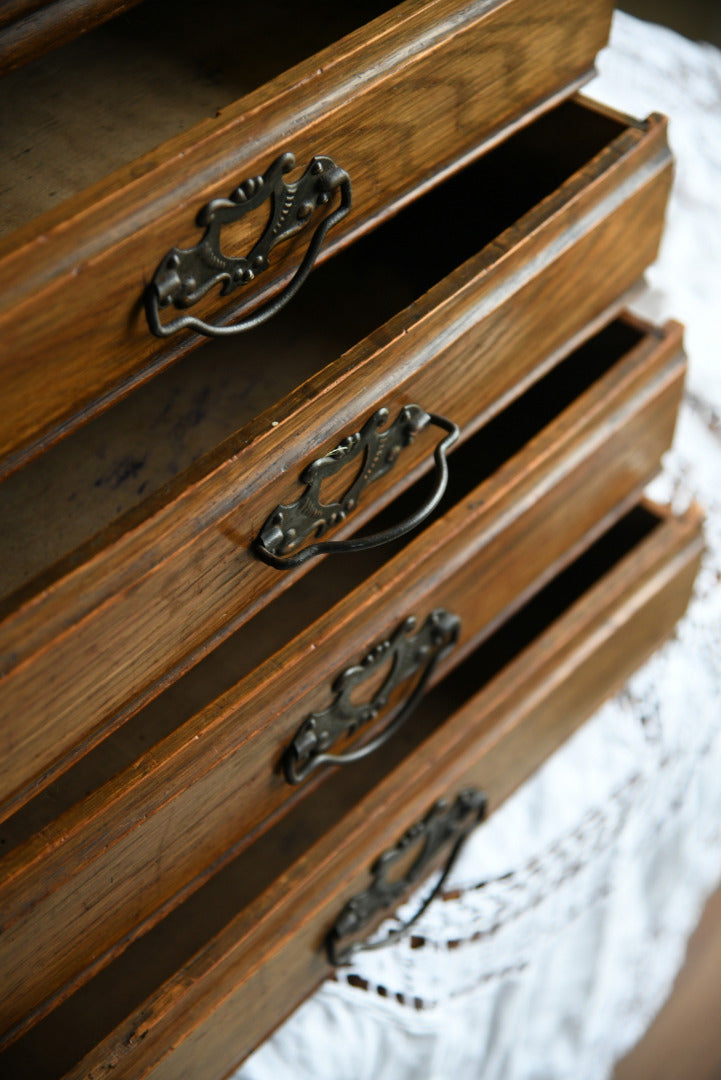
<point x="104" y="1001"/>
<point x="316" y="592"/>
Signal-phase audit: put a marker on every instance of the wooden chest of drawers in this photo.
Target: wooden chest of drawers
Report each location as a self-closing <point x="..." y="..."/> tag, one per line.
<point x="174" y="669"/>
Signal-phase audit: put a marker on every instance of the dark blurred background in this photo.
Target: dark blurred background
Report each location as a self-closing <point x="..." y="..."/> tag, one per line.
<point x="699" y="20"/>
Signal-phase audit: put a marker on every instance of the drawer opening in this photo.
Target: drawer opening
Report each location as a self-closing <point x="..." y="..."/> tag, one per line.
<point x="295" y="609"/>
<point x="66" y="1034"/>
<point x="121" y="467"/>
<point x="153" y="74"/>
<point x="504" y="436"/>
<point x="535" y="617"/>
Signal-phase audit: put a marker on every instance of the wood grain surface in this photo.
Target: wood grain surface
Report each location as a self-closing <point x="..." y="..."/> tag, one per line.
<point x="86" y="644"/>
<point x="521" y="702"/>
<point x="596" y="428"/>
<point x="395" y="104"/>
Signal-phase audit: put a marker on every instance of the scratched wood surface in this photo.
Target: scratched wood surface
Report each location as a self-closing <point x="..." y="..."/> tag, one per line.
<point x="87" y="643"/>
<point x="395" y="103"/>
<point x="195" y="995"/>
<point x="580" y="444"/>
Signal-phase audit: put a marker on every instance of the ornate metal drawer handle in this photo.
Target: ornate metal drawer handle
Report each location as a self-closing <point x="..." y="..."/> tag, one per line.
<point x="289" y="525"/>
<point x="187" y="274"/>
<point x="442" y="825"/>
<point x="321" y="730"/>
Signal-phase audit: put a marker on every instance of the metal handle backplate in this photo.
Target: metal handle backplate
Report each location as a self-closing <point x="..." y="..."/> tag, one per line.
<point x="405" y="653"/>
<point x="443" y="825"/>
<point x="290" y="524"/>
<point x="187" y="274"/>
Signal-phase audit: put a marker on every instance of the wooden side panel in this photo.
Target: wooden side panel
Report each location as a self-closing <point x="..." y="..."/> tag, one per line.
<point x="214" y="1011"/>
<point x="395" y="104"/>
<point x="90" y="648"/>
<point x="158" y="826"/>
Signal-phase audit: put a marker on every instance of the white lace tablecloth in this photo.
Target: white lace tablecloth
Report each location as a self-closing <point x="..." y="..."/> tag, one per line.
<point x="570" y="909"/>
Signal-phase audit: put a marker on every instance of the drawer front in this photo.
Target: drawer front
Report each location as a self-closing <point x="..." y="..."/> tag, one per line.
<point x="106" y="628"/>
<point x="212" y="1010"/>
<point x="433" y="82"/>
<point x="157" y="828"/>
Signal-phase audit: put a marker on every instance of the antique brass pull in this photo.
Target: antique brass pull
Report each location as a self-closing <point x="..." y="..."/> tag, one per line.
<point x="443" y="825"/>
<point x="321" y="730"/>
<point x="289" y="525"/>
<point x="186" y="274"/>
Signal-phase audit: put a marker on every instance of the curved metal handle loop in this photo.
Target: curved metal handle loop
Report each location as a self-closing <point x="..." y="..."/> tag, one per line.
<point x="433" y="642"/>
<point x="441" y="826"/>
<point x="272" y="532"/>
<point x="186" y="274"/>
<point x="343" y="957"/>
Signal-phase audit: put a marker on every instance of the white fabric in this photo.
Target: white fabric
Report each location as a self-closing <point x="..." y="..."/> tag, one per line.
<point x="571" y="907"/>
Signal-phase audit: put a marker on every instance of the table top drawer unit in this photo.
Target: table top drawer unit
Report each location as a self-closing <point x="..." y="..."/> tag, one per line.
<point x="192" y="996"/>
<point x="388" y="98"/>
<point x="157" y="506"/>
<point x="529" y="490"/>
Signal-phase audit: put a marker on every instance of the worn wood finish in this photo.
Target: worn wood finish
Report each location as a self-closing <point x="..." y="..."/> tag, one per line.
<point x="395" y="104"/>
<point x="29" y="28"/>
<point x="104" y="631"/>
<point x="185" y="803"/>
<point x="214" y="1008"/>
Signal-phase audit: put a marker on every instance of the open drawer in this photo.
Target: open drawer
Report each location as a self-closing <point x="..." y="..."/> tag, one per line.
<point x="94" y="199"/>
<point x="154" y="509"/>
<point x="82" y="874"/>
<point x="192" y="996"/>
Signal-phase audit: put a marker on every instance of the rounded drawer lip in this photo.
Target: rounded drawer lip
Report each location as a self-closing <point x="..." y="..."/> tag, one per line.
<point x="501" y="307"/>
<point x="504" y="731"/>
<point x="480" y="560"/>
<point x="85" y="265"/>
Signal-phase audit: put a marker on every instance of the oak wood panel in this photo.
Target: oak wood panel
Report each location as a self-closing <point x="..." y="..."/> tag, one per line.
<point x="178" y="810"/>
<point x="214" y="1009"/>
<point x="71" y="282"/>
<point x="101" y="638"/>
